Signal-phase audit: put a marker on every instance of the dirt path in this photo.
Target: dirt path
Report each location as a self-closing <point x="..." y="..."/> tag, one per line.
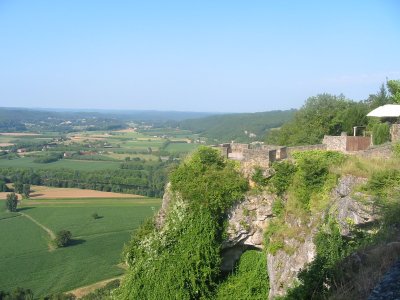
<point x="83" y="291"/>
<point x="48" y="230"/>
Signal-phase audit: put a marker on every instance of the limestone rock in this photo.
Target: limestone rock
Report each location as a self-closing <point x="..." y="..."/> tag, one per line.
<point x="248" y="219"/>
<point x="246" y="224"/>
<point x="283" y="268"/>
<point x="357" y="209"/>
<point x="351" y="210"/>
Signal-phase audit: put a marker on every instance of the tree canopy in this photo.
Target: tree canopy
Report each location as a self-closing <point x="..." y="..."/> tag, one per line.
<point x="320" y="115"/>
<point x="11" y="202"/>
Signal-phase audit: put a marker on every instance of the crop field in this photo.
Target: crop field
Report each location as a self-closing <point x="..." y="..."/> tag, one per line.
<point x="181" y="147"/>
<point x="79" y="165"/>
<point x="44" y="192"/>
<point x="27" y="261"/>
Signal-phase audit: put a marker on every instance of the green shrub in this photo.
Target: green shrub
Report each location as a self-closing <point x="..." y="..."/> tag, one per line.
<point x="283" y="176"/>
<point x="396" y="150"/>
<point x="209" y="181"/>
<point x="258" y="177"/>
<point x="278" y="207"/>
<point x="182" y="259"/>
<point x="249" y="280"/>
<point x="313" y="173"/>
<point x="63" y="238"/>
<point x="381" y="182"/>
<point x="380" y="133"/>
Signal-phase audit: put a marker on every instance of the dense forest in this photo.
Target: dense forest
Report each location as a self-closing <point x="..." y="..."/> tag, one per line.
<point x="243" y="127"/>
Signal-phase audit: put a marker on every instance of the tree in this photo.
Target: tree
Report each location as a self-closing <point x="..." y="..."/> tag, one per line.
<point x="26" y="190"/>
<point x="63" y="238"/>
<point x="394" y="89"/>
<point x="3" y="186"/>
<point x="18" y="187"/>
<point x="17" y="294"/>
<point x="378" y="99"/>
<point x="11" y="202"/>
<point x="320" y="115"/>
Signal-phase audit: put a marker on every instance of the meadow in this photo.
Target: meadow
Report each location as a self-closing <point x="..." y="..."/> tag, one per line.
<point x="79" y="165"/>
<point x="94" y="255"/>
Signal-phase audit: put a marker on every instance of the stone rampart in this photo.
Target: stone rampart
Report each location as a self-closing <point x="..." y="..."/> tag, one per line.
<point x="335" y="143"/>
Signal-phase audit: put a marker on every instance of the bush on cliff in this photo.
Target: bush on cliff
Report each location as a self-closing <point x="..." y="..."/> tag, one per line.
<point x="182" y="259"/>
<point x="250" y="279"/>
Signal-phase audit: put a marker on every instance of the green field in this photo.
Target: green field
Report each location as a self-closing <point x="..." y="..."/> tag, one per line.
<point x="181" y="147"/>
<point x="79" y="165"/>
<point x="25" y="258"/>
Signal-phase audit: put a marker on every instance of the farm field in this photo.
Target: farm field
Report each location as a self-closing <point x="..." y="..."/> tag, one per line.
<point x="25" y="258"/>
<point x="44" y="192"/>
<point x="181" y="147"/>
<point x="79" y="165"/>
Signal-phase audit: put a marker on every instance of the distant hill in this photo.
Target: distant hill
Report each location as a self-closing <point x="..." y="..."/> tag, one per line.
<point x="240" y="127"/>
<point x="22" y="119"/>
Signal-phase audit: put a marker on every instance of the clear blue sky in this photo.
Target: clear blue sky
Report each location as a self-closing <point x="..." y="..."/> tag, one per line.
<point x="194" y="55"/>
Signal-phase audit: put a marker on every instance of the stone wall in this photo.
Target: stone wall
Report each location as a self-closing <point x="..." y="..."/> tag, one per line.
<point x="335" y="143"/>
<point x="346" y="143"/>
<point x="395" y="132"/>
<point x="252" y="156"/>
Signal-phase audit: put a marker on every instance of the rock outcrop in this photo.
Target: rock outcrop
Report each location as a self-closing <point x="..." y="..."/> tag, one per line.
<point x="351" y="210"/>
<point x="248" y="220"/>
<point x="246" y="225"/>
<point x="348" y="209"/>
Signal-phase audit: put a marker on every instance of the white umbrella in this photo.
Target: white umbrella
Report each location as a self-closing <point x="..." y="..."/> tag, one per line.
<point x="386" y="111"/>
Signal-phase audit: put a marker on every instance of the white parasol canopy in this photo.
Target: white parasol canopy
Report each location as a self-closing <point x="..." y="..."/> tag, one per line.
<point x="388" y="110"/>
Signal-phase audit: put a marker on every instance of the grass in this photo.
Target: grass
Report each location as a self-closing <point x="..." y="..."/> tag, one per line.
<point x="365" y="167"/>
<point x="24" y="257"/>
<point x="181" y="147"/>
<point x="79" y="165"/>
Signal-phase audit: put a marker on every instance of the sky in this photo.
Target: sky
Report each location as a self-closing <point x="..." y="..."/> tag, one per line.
<point x="211" y="56"/>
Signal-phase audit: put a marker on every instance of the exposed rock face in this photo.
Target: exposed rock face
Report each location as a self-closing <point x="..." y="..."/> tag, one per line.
<point x="283" y="268"/>
<point x="351" y="210"/>
<point x="161" y="215"/>
<point x="247" y="221"/>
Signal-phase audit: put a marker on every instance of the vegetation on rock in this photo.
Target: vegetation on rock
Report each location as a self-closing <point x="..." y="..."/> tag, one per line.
<point x="182" y="259"/>
<point x="249" y="281"/>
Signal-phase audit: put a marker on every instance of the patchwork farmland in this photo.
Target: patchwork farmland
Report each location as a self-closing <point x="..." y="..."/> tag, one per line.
<point x="94" y="255"/>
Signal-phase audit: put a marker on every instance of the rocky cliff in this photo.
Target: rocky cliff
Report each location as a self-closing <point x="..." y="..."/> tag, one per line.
<point x="249" y="219"/>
